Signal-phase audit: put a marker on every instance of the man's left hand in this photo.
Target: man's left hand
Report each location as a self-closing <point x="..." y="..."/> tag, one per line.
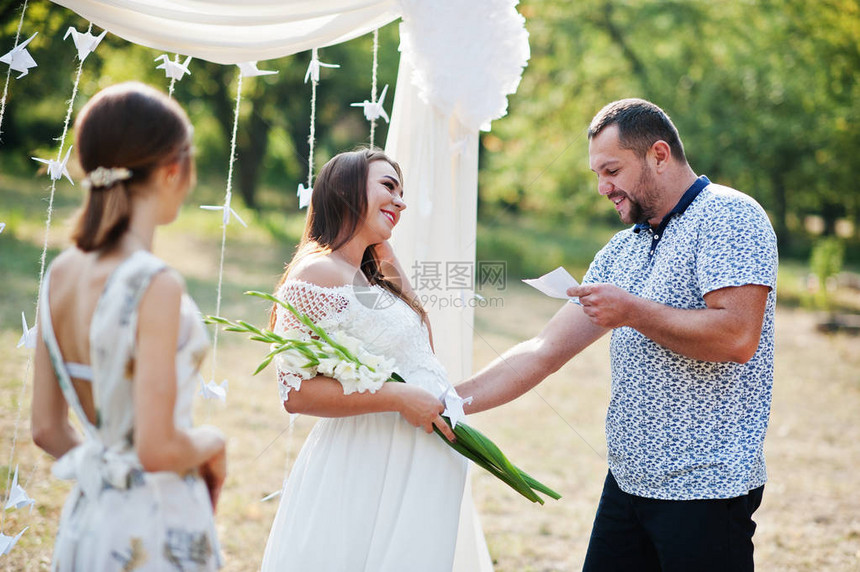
<point x="606" y="305"/>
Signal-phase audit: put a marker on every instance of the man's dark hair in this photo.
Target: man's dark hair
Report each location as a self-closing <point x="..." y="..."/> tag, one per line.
<point x="640" y="125"/>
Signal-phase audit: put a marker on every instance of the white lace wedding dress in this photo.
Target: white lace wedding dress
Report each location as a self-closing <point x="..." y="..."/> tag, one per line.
<point x="370" y="492"/>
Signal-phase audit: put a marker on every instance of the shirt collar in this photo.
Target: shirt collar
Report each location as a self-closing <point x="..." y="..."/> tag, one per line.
<point x="688" y="197"/>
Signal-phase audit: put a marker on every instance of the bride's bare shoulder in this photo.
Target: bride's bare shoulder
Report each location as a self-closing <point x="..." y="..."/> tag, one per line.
<point x="323" y="270"/>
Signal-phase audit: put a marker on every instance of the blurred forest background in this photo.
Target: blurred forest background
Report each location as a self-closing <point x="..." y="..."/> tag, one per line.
<point x="765" y="95"/>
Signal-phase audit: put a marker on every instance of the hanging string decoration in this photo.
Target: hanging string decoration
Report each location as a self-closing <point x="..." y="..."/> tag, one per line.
<point x="18" y="497"/>
<point x="313" y="74"/>
<point x="28" y="335"/>
<point x="373" y="78"/>
<point x="227" y="210"/>
<point x="210" y="389"/>
<point x="57" y="169"/>
<point x="10" y="57"/>
<point x="373" y="109"/>
<point x="19" y="59"/>
<point x="85" y="43"/>
<point x="173" y="69"/>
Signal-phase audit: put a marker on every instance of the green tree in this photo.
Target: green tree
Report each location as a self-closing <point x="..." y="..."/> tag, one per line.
<point x="765" y="96"/>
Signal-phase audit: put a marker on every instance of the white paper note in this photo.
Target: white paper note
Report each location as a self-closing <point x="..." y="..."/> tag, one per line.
<point x="554" y="284"/>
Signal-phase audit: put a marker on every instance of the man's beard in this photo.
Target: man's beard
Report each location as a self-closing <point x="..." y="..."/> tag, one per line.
<point x="641" y="211"/>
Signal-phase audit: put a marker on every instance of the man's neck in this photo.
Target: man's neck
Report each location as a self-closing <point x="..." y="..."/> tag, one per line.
<point x="676" y="185"/>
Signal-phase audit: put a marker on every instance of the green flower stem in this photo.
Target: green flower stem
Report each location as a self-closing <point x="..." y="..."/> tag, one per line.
<point x="469" y="442"/>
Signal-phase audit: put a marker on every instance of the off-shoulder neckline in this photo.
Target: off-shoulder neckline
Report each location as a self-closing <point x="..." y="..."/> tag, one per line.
<point x="300" y="282"/>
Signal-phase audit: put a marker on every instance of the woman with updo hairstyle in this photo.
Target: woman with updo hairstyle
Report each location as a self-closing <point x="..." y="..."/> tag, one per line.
<point x="373" y="489"/>
<point x="120" y="343"/>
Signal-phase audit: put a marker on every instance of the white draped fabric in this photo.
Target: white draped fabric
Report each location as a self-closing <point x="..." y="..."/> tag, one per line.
<point x="459" y="61"/>
<point x="228" y="32"/>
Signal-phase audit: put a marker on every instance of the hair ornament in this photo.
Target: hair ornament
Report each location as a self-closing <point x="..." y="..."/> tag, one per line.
<point x="103" y="177"/>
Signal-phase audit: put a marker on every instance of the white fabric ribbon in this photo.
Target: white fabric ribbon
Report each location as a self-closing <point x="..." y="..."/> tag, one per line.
<point x="93" y="466"/>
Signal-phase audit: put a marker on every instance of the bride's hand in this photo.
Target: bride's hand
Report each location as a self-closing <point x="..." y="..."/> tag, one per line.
<point x="213" y="472"/>
<point x="422" y="409"/>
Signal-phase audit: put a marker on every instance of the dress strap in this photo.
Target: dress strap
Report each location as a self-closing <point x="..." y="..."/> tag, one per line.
<point x="65" y="382"/>
<point x="79" y="371"/>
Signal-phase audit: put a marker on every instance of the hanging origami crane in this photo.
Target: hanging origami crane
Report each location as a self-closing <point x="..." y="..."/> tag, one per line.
<point x="2" y="227"/>
<point x="304" y="194"/>
<point x="459" y="145"/>
<point x="7" y="543"/>
<point x="173" y="70"/>
<point x="19" y="59"/>
<point x="374" y="110"/>
<point x="85" y="42"/>
<point x="212" y="390"/>
<point x="226" y="209"/>
<point x="57" y="169"/>
<point x="249" y="69"/>
<point x="18" y="498"/>
<point x="28" y="338"/>
<point x="314" y="66"/>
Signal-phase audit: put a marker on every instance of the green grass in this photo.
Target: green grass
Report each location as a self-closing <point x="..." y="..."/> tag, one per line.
<point x="812" y="444"/>
<point x="532" y="246"/>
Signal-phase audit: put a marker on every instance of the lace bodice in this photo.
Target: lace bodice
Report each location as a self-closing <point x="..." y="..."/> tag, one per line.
<point x="384" y="323"/>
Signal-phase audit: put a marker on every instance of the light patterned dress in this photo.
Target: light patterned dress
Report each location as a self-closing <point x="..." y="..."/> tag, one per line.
<point x="119" y="517"/>
<point x="368" y="493"/>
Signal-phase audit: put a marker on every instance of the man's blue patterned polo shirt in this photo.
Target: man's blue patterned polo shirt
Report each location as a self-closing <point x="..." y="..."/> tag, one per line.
<point x="679" y="428"/>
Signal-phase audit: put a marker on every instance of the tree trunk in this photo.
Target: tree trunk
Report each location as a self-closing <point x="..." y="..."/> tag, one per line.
<point x="619" y="37"/>
<point x="830" y="213"/>
<point x="253" y="153"/>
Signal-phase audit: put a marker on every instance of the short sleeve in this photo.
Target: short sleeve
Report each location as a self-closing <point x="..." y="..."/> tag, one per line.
<point x="737" y="246"/>
<point x="326" y="307"/>
<point x="598" y="270"/>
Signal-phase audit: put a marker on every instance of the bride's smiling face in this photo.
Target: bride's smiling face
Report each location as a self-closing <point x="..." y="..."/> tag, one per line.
<point x="384" y="201"/>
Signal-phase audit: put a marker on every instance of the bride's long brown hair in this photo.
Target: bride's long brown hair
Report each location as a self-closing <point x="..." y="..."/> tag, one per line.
<point x="338" y="207"/>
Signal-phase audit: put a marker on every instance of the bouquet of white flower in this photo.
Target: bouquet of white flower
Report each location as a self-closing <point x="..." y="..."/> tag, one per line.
<point x="341" y="357"/>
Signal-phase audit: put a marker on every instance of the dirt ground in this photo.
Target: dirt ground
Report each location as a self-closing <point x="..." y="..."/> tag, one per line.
<point x="809" y="520"/>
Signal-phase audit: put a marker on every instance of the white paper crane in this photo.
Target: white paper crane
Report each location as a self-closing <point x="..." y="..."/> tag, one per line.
<point x="314" y="66"/>
<point x="374" y="110"/>
<point x="28" y="338"/>
<point x="304" y="195"/>
<point x="173" y="70"/>
<point x="19" y="59"/>
<point x="7" y="543"/>
<point x="57" y="169"/>
<point x="227" y="210"/>
<point x="85" y="42"/>
<point x="458" y="146"/>
<point x="454" y="406"/>
<point x="249" y="69"/>
<point x="212" y="390"/>
<point x="18" y="498"/>
<point x="2" y="227"/>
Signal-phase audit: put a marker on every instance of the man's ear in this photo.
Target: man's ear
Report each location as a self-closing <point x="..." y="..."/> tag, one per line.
<point x="661" y="154"/>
